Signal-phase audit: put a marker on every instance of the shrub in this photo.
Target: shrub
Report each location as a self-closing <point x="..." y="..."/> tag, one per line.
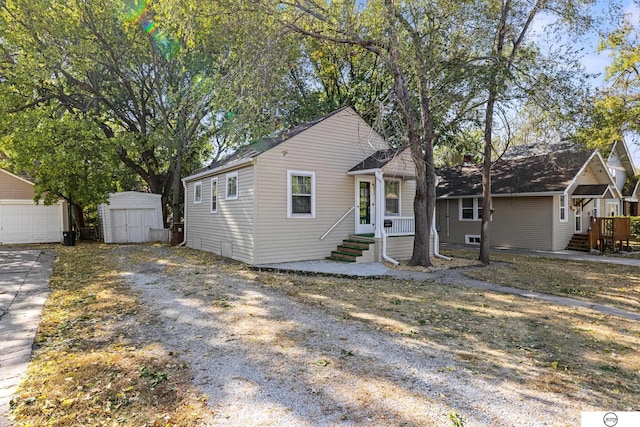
<point x="635" y="227"/>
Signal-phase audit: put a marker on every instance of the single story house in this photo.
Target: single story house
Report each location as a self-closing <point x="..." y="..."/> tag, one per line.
<point x="24" y="221"/>
<point x="330" y="187"/>
<point x="538" y="201"/>
<point x="131" y="217"/>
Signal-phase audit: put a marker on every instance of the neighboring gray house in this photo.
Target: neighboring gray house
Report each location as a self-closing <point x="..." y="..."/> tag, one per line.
<point x="538" y="202"/>
<point x="301" y="194"/>
<point x="622" y="168"/>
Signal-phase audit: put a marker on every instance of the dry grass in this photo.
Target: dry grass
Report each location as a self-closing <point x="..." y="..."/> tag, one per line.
<point x="609" y="284"/>
<point x="91" y="367"/>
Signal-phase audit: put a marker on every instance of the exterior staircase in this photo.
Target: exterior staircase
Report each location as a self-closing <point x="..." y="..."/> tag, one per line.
<point x="579" y="242"/>
<point x="352" y="249"/>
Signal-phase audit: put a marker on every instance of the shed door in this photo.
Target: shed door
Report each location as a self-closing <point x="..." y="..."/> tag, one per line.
<point x="132" y="225"/>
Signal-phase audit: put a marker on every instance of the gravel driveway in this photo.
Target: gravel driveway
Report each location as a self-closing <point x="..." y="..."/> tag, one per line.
<point x="266" y="359"/>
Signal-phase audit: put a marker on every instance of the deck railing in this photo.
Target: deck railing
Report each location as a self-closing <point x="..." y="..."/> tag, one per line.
<point x="607" y="232"/>
<point x="400" y="225"/>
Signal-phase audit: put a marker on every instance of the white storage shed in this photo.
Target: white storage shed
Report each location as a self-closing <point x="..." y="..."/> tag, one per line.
<point x="129" y="216"/>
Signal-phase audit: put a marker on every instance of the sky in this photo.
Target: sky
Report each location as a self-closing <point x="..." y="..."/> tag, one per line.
<point x="596" y="62"/>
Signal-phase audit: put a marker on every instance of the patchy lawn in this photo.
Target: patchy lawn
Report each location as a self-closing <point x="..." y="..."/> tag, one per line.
<point x="609" y="284"/>
<point x="94" y="368"/>
<point x="90" y="366"/>
<point x="568" y="351"/>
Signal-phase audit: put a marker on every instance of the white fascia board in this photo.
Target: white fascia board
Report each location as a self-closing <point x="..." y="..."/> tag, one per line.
<point x="504" y="196"/>
<point x="236" y="164"/>
<point x="364" y="172"/>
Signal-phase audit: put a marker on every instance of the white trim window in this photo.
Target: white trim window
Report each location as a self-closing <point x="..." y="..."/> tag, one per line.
<point x="214" y="195"/>
<point x="232" y="186"/>
<point x="197" y="192"/>
<point x="392" y="197"/>
<point x="563" y="201"/>
<point x="470" y="209"/>
<point x="301" y="194"/>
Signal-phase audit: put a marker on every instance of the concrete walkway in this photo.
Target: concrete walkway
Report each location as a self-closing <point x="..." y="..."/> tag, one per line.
<point x="375" y="270"/>
<point x="24" y="287"/>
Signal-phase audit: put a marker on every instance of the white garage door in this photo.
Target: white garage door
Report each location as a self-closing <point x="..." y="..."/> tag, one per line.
<point x="132" y="225"/>
<point x="30" y="223"/>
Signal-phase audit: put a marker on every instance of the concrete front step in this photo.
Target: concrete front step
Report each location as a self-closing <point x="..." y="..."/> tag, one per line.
<point x="343" y="256"/>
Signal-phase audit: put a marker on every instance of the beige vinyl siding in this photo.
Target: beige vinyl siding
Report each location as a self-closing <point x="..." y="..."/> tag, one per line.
<point x="13" y="188"/>
<point x="408" y="193"/>
<point x="229" y="231"/>
<point x="401" y="165"/>
<point x="400" y="248"/>
<point x="328" y="149"/>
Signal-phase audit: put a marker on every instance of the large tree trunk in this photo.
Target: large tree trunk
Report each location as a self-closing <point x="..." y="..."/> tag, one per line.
<point x="177" y="184"/>
<point x="421" y="253"/>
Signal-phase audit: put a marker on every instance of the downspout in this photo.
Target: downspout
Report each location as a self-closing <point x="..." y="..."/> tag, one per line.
<point x="184" y="224"/>
<point x="380" y="217"/>
<point x="434" y="233"/>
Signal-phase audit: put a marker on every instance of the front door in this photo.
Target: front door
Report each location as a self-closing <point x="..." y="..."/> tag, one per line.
<point x="365" y="206"/>
<point x="578" y="219"/>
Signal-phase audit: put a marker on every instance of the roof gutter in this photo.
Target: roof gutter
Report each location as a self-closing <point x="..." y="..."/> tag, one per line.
<point x="434" y="233"/>
<point x="236" y="164"/>
<point x="184" y="224"/>
<point x="379" y="216"/>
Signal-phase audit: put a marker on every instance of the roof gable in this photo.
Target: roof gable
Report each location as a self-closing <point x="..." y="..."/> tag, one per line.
<point x="17" y="177"/>
<point x="621" y="152"/>
<point x="258" y="147"/>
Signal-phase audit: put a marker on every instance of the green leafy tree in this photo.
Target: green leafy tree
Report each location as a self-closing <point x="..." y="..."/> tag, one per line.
<point x="66" y="156"/>
<point x="615" y="112"/>
<point x="513" y="72"/>
<point x="418" y="45"/>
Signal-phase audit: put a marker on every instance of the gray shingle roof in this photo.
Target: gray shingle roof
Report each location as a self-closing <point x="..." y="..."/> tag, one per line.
<point x="536" y="174"/>
<point x="378" y="159"/>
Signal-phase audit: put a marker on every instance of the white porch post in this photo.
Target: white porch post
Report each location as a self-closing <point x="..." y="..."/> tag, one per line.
<point x="379" y="204"/>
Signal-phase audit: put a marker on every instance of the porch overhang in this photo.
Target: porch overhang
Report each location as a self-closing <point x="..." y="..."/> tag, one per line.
<point x="595" y="191"/>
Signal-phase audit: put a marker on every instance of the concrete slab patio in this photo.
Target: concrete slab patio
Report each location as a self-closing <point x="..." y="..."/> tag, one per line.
<point x="24" y="287"/>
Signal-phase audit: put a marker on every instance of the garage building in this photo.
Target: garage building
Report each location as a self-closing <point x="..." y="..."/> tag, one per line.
<point x="21" y="219"/>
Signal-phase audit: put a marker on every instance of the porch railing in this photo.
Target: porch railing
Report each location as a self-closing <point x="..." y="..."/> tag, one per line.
<point x="400" y="225"/>
<point x="607" y="232"/>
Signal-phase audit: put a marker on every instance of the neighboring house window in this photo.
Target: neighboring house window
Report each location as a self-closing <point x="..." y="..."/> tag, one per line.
<point x="471" y="209"/>
<point x="301" y="189"/>
<point x="563" y="208"/>
<point x="197" y="192"/>
<point x="214" y="195"/>
<point x="392" y="197"/>
<point x="472" y="239"/>
<point x="232" y="186"/>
